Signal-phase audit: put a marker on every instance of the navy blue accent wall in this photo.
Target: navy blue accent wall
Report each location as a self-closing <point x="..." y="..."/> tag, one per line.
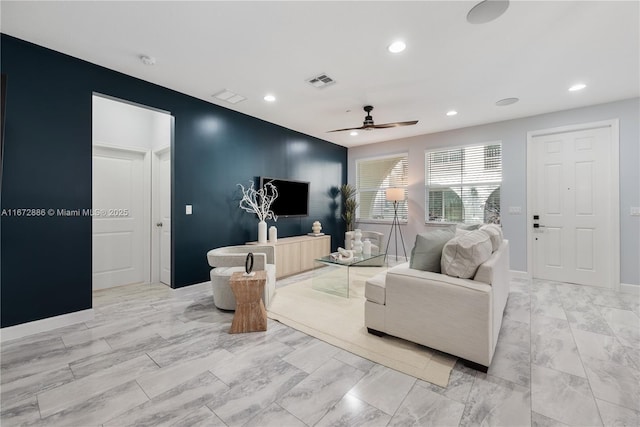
<point x="46" y="260"/>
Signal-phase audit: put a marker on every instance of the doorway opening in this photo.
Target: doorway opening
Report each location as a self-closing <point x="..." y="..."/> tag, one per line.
<point x="131" y="193"/>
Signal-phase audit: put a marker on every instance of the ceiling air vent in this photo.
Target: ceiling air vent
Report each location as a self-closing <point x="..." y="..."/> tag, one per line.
<point x="227" y="95"/>
<point x="321" y="81"/>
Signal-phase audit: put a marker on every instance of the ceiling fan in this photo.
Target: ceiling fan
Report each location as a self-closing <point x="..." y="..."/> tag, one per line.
<point x="369" y="125"/>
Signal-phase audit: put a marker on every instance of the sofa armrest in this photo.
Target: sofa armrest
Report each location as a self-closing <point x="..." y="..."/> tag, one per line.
<point x="493" y="270"/>
<point x="447" y="313"/>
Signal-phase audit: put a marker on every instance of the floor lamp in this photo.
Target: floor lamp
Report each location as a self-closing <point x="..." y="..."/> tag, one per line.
<point x="395" y="195"/>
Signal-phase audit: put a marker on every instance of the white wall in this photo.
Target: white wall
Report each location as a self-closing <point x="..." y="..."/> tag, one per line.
<point x="513" y="134"/>
<point x="125" y="125"/>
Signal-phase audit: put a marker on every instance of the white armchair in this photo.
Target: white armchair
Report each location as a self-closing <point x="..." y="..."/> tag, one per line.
<point x="229" y="259"/>
<point x="376" y="239"/>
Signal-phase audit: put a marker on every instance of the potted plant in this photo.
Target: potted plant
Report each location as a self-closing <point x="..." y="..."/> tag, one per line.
<point x="349" y="205"/>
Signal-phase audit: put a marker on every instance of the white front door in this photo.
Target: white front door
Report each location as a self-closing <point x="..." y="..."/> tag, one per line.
<point x="120" y="237"/>
<point x="163" y="223"/>
<point x="572" y="199"/>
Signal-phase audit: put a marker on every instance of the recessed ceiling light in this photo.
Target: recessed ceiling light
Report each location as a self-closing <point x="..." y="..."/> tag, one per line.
<point x="506" y="101"/>
<point x="397" y="47"/>
<point x="487" y="11"/>
<point x="452" y="113"/>
<point x="269" y="98"/>
<point x="353" y="133"/>
<point x="578" y="86"/>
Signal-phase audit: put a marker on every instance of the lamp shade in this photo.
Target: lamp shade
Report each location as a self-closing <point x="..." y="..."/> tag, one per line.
<point x="395" y="194"/>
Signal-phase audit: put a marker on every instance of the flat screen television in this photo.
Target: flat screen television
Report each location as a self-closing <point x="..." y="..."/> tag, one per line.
<point x="293" y="197"/>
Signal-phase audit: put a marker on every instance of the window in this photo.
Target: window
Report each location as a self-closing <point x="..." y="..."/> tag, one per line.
<point x="492" y="156"/>
<point x="373" y="177"/>
<point x="445" y="204"/>
<point x="463" y="184"/>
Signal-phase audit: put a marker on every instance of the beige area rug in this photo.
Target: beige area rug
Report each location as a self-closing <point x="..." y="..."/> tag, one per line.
<point x="340" y="321"/>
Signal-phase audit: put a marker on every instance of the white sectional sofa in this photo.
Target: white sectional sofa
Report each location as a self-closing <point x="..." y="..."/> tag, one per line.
<point x="458" y="316"/>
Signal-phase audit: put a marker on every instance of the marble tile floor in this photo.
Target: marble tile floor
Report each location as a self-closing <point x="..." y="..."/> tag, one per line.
<point x="566" y="355"/>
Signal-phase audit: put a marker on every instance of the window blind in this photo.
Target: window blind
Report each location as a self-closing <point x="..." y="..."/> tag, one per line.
<point x="463" y="184"/>
<point x="373" y="177"/>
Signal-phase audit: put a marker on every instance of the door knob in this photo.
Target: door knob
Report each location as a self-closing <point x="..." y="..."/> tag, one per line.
<point x="159" y="224"/>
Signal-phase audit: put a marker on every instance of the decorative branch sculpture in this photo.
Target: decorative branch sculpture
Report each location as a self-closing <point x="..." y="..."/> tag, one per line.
<point x="259" y="201"/>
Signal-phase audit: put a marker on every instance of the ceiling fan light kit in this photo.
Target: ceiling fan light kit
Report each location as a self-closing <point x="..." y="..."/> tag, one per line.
<point x="369" y="124"/>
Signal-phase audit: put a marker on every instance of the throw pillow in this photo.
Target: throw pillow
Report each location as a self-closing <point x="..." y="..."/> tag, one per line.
<point x="462" y="255"/>
<point x="461" y="231"/>
<point x="468" y="227"/>
<point x="495" y="233"/>
<point x="427" y="251"/>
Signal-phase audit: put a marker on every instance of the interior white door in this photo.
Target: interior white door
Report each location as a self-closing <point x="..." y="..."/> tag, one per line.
<point x="164" y="211"/>
<point x="572" y="176"/>
<point x="120" y="252"/>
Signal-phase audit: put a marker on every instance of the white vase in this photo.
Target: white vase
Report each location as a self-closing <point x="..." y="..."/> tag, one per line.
<point x="262" y="232"/>
<point x="316" y="227"/>
<point x="366" y="247"/>
<point x="357" y="241"/>
<point x="273" y="234"/>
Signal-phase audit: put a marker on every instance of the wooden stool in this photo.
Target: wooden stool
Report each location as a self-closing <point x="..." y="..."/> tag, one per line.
<point x="250" y="315"/>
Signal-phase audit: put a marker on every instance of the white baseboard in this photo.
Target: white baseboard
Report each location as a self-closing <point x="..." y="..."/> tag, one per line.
<point x="516" y="274"/>
<point x="629" y="289"/>
<point x="44" y="325"/>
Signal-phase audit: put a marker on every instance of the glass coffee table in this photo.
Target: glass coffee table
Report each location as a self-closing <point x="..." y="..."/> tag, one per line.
<point x="333" y="275"/>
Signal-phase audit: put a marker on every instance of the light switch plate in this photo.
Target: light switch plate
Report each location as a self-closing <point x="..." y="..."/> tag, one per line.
<point x="635" y="211"/>
<point x="515" y="210"/>
<point x="189" y="209"/>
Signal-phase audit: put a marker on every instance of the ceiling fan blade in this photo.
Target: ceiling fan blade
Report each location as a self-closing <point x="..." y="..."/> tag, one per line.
<point x="369" y="124"/>
<point x="341" y="130"/>
<point x="394" y="125"/>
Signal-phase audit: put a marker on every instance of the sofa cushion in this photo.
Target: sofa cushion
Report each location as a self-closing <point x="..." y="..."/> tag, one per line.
<point x="462" y="255"/>
<point x="427" y="252"/>
<point x="495" y="234"/>
<point x="461" y="231"/>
